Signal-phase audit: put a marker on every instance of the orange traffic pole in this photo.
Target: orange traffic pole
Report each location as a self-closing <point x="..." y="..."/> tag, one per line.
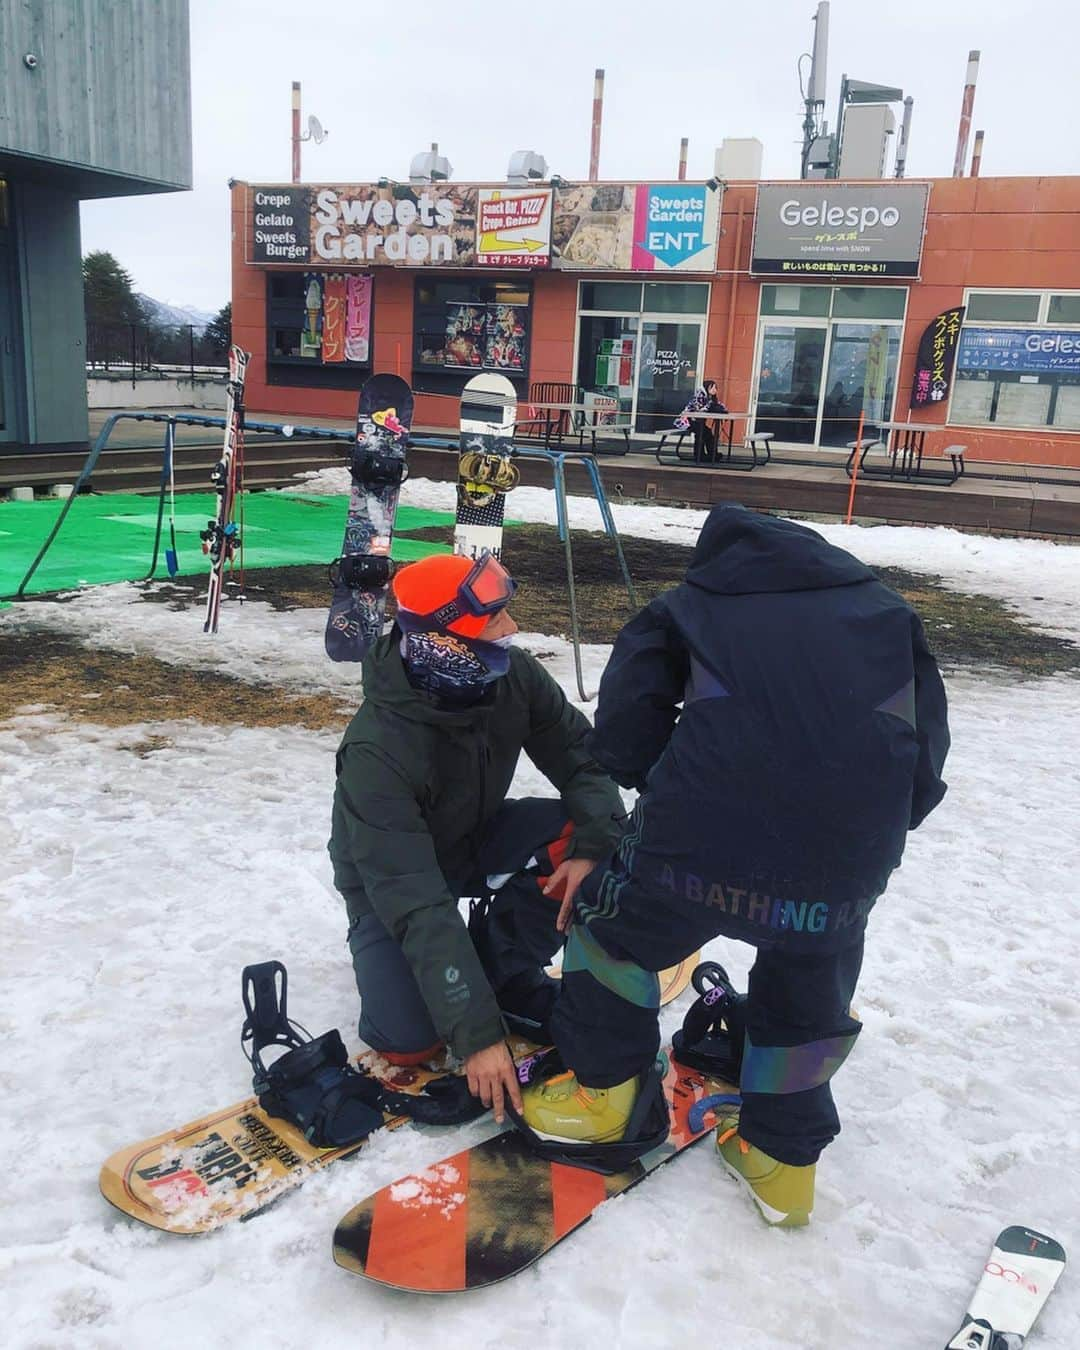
<point x="855" y="468"/>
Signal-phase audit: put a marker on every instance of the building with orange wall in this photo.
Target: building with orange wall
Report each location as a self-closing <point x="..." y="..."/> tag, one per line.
<point x="625" y="296"/>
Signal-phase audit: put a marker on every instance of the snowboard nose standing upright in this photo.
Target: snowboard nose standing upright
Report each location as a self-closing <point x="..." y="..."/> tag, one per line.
<point x="785" y="724"/>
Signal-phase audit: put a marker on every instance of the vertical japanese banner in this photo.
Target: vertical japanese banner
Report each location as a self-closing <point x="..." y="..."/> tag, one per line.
<point x="358" y="318"/>
<point x="936" y="357"/>
<point x="333" y="344"/>
<point x="877" y="374"/>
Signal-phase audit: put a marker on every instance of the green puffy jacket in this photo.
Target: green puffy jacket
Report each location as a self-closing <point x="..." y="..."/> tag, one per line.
<point x="416" y="788"/>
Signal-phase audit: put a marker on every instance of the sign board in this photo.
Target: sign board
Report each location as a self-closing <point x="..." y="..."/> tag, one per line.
<point x="844" y="231"/>
<point x="1027" y="350"/>
<point x="401" y="225"/>
<point x="934" y="362"/>
<point x="513" y="228"/>
<point x="636" y="227"/>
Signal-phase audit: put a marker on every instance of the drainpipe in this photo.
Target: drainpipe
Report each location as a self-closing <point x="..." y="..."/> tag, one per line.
<point x="734" y="297"/>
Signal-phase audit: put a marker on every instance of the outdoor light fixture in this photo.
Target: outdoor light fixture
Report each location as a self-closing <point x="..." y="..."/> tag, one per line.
<point x="383" y="182"/>
<point x="712" y="184"/>
<point x="557" y="182"/>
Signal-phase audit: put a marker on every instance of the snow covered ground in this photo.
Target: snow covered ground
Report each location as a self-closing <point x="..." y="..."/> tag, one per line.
<point x="137" y="881"/>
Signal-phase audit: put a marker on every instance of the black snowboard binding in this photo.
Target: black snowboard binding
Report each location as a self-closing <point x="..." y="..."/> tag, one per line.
<point x="444" y="1101"/>
<point x="646" y="1129"/>
<point x="714" y="1029"/>
<point x="312" y="1084"/>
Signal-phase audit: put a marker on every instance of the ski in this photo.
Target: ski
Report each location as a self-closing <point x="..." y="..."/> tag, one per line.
<point x="361" y="576"/>
<point x="486" y="472"/>
<point x="491" y="1211"/>
<point x="221" y="538"/>
<point x="1019" y="1274"/>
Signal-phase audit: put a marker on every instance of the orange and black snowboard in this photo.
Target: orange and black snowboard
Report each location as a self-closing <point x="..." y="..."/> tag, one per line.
<point x="490" y="1211"/>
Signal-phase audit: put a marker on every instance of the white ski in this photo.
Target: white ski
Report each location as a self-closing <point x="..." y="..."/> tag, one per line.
<point x="1022" y="1268"/>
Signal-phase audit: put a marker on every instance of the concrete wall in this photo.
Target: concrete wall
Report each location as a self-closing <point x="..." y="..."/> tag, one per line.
<point x="110" y="95"/>
<point x="53" y="322"/>
<point x="165" y="391"/>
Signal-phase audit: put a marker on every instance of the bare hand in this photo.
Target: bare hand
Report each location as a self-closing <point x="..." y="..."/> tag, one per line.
<point x="492" y="1076"/>
<point x="569" y="874"/>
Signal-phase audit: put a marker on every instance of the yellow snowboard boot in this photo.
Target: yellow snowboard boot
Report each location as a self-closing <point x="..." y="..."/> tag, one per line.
<point x="784" y="1193"/>
<point x="564" y="1110"/>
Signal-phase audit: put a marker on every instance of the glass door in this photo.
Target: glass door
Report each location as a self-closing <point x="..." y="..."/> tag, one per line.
<point x="668" y="371"/>
<point x="607" y="352"/>
<point x="789" y="381"/>
<point x="863" y="358"/>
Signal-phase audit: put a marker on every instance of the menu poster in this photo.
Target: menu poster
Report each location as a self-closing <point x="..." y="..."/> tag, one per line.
<point x="485" y="336"/>
<point x="505" y="339"/>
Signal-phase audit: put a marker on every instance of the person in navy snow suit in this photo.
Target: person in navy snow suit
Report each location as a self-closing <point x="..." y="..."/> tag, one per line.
<point x="785" y="724"/>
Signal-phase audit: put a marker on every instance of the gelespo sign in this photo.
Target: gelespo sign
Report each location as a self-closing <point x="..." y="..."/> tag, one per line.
<point x="819" y="228"/>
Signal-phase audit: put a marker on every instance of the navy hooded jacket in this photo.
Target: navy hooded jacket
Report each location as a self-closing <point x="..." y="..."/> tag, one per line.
<point x="811" y="738"/>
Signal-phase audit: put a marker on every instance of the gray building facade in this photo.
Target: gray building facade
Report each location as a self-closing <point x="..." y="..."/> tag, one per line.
<point x="95" y="101"/>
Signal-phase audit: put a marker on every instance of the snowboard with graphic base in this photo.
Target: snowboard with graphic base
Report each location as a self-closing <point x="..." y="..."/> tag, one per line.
<point x="491" y="1211"/>
<point x="1019" y="1274"/>
<point x="486" y="472"/>
<point x="361" y="576"/>
<point x="221" y="538"/>
<point x="234" y="1163"/>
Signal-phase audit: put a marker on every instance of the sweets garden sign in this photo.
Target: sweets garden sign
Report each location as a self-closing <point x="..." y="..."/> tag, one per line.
<point x="617" y="227"/>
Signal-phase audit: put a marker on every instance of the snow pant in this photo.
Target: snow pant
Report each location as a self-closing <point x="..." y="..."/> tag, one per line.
<point x="512" y="926"/>
<point x="798" y="1029"/>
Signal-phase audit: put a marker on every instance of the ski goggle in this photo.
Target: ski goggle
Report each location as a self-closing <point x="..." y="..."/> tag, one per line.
<point x="483" y="592"/>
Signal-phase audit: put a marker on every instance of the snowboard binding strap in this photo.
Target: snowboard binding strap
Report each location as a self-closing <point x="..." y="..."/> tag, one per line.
<point x="312" y="1084"/>
<point x="712" y="1037"/>
<point x="361" y="571"/>
<point x="378" y="468"/>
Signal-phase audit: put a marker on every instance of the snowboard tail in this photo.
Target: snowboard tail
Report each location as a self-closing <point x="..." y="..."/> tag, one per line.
<point x="1018" y="1277"/>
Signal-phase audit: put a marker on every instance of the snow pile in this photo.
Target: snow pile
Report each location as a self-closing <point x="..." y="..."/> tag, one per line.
<point x="138" y="875"/>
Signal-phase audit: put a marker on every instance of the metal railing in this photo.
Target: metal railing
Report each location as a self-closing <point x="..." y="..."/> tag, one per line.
<point x="180" y="351"/>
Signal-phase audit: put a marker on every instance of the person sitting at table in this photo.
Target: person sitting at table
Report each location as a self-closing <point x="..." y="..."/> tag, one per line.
<point x="703" y="401"/>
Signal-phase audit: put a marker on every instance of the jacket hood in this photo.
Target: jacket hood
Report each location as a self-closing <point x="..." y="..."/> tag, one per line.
<point x="387" y="686"/>
<point x="740" y="552"/>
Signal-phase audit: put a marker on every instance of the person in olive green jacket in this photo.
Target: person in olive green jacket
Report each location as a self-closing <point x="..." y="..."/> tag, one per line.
<point x="421" y="819"/>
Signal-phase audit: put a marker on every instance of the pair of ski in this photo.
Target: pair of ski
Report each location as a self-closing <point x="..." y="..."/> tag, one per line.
<point x="361" y="576"/>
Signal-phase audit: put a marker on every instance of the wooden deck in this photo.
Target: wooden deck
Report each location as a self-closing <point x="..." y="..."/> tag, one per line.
<point x="812" y="483"/>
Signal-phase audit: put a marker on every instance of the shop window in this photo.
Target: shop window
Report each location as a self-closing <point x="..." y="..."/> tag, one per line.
<point x="1064" y="309"/>
<point x="868" y="302"/>
<point x="471" y="325"/>
<point x="624" y="297"/>
<point x="1002" y="307"/>
<point x="319" y="319"/>
<point x="789" y="301"/>
<point x="675" y="297"/>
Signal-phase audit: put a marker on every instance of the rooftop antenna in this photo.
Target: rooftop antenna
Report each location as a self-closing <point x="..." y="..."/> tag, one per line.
<point x="815" y="92"/>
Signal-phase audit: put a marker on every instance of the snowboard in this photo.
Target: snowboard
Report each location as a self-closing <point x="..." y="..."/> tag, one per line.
<point x="361" y="576"/>
<point x="485" y="470"/>
<point x="232" y="1164"/>
<point x="491" y="1211"/>
<point x="1022" y="1269"/>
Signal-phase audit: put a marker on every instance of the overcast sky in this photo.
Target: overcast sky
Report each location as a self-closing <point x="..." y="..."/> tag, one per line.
<point x="484" y="78"/>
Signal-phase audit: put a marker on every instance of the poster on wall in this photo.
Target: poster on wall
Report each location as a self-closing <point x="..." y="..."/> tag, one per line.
<point x="483" y="336"/>
<point x="675" y="228"/>
<point x="816" y="228"/>
<point x="504" y="347"/>
<point x="935" y="359"/>
<point x="399" y="225"/>
<point x="513" y="229"/>
<point x="464" y="346"/>
<point x="593" y="227"/>
<point x="311" y="334"/>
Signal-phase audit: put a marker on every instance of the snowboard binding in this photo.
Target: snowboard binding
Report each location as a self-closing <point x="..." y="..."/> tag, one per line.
<point x="374" y="469"/>
<point x="488" y="469"/>
<point x="361" y="571"/>
<point x="646" y="1129"/>
<point x="714" y="1029"/>
<point x="312" y="1084"/>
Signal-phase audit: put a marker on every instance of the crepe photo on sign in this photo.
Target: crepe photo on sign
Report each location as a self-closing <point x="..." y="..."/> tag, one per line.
<point x="593" y="226"/>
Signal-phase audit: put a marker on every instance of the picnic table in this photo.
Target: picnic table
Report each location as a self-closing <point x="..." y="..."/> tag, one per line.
<point x="754" y="442"/>
<point x="904" y="443"/>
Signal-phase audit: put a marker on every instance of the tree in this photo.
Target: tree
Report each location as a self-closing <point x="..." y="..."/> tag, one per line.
<point x="218" y="332"/>
<point x="107" y="288"/>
